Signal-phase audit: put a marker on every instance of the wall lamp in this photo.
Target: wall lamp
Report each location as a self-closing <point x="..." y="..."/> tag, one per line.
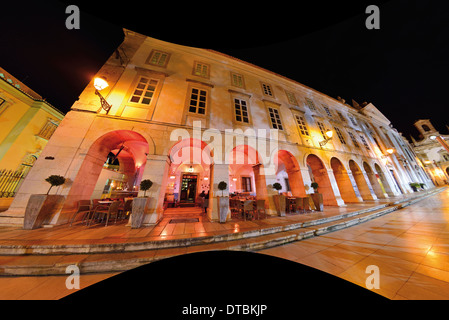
<point x="389" y="152"/>
<point x="328" y="134"/>
<point x="100" y="83"/>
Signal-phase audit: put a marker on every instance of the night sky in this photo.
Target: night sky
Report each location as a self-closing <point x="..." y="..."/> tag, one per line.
<point x="402" y="68"/>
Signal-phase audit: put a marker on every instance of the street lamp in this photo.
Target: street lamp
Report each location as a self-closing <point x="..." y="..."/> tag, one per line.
<point x="328" y="134"/>
<point x="100" y="83"/>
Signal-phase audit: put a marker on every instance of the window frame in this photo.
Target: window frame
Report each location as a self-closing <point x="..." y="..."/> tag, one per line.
<point x="264" y="86"/>
<point x="155" y="51"/>
<point x="278" y="112"/>
<point x="203" y="64"/>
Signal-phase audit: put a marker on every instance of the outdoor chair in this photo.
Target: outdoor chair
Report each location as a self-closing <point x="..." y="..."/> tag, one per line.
<point x="248" y="209"/>
<point x="126" y="209"/>
<point x="112" y="210"/>
<point x="260" y="207"/>
<point x="299" y="204"/>
<point x="84" y="208"/>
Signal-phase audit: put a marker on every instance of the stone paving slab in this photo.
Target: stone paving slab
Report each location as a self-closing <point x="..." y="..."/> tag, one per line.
<point x="118" y="260"/>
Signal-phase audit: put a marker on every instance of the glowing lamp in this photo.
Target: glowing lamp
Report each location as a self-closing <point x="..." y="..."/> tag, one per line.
<point x="390" y="151"/>
<point x="100" y="83"/>
<point x="329" y="133"/>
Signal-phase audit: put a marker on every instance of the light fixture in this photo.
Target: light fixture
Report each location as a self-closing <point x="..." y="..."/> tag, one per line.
<point x="328" y="134"/>
<point x="432" y="137"/>
<point x="190" y="169"/>
<point x="206" y="178"/>
<point x="172" y="177"/>
<point x="389" y="151"/>
<point x="100" y="83"/>
<point x="234" y="179"/>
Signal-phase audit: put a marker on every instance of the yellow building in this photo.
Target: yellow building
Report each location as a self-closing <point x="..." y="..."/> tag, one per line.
<point x="26" y="123"/>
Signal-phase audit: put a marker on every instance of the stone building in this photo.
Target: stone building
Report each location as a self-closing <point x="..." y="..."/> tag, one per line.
<point x="433" y="151"/>
<point x="187" y="118"/>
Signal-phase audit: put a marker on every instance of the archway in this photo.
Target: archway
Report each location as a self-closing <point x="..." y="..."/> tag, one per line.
<point x="95" y="176"/>
<point x="319" y="175"/>
<point x="246" y="174"/>
<point x="377" y="187"/>
<point x="363" y="187"/>
<point x="189" y="173"/>
<point x="382" y="180"/>
<point x="343" y="181"/>
<point x="288" y="173"/>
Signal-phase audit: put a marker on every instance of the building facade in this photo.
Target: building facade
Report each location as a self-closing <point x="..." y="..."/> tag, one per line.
<point x="26" y="124"/>
<point x="433" y="152"/>
<point x="188" y="118"/>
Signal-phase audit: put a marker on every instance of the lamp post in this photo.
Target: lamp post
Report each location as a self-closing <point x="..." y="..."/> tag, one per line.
<point x="100" y="83"/>
<point x="328" y="134"/>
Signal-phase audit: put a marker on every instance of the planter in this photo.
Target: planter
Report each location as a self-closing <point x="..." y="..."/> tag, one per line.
<point x="318" y="201"/>
<point x="139" y="208"/>
<point x="223" y="208"/>
<point x="40" y="209"/>
<point x="279" y="201"/>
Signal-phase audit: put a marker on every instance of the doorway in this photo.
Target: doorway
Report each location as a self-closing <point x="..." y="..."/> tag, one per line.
<point x="188" y="188"/>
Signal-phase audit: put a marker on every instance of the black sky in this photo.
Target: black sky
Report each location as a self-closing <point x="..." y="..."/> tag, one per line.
<point x="401" y="68"/>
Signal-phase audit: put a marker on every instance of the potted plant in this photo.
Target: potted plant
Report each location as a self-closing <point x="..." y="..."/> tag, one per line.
<point x="317" y="197"/>
<point x="414" y="186"/>
<point x="279" y="200"/>
<point x="140" y="204"/>
<point x="40" y="207"/>
<point x="223" y="202"/>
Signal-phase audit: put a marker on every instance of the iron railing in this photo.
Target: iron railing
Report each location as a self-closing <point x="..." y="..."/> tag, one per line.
<point x="9" y="182"/>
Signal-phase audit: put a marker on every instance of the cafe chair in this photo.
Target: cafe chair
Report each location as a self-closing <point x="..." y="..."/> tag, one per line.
<point x="299" y="204"/>
<point x="125" y="211"/>
<point x="248" y="209"/>
<point x="260" y="207"/>
<point x="112" y="210"/>
<point x="84" y="208"/>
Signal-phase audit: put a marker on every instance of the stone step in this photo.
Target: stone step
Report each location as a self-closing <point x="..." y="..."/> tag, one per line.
<point x="119" y="261"/>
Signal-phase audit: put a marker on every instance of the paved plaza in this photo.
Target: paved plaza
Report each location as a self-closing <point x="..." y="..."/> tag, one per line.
<point x="409" y="246"/>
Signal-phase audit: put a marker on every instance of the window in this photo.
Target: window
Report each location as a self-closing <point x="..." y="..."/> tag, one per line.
<point x="241" y="110"/>
<point x="198" y="100"/>
<point x="354" y="141"/>
<point x="201" y="69"/>
<point x="364" y="142"/>
<point x="237" y="80"/>
<point x="246" y="184"/>
<point x="266" y="89"/>
<point x="340" y="135"/>
<point x="322" y="129"/>
<point x="291" y="98"/>
<point x="275" y="118"/>
<point x="158" y="58"/>
<point x="310" y="104"/>
<point x="144" y="91"/>
<point x="341" y="116"/>
<point x="353" y="121"/>
<point x="301" y="122"/>
<point x="328" y="112"/>
<point x="425" y="127"/>
<point x="48" y="129"/>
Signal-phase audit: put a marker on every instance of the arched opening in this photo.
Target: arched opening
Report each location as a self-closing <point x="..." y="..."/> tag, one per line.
<point x="382" y="180"/>
<point x="319" y="175"/>
<point x="112" y="167"/>
<point x="343" y="181"/>
<point x="245" y="173"/>
<point x="189" y="173"/>
<point x="377" y="187"/>
<point x="288" y="174"/>
<point x="363" y="187"/>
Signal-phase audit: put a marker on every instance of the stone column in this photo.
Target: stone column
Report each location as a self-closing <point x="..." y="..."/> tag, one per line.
<point x="333" y="190"/>
<point x="263" y="192"/>
<point x="156" y="170"/>
<point x="218" y="172"/>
